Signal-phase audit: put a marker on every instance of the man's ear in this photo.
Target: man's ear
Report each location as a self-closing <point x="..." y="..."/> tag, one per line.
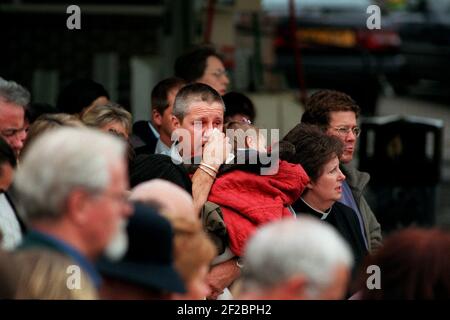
<point x="156" y="118"/>
<point x="175" y="122"/>
<point x="77" y="204"/>
<point x="250" y="142"/>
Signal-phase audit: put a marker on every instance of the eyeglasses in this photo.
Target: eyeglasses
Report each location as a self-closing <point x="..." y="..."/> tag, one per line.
<point x="220" y="73"/>
<point x="344" y="131"/>
<point x="122" y="197"/>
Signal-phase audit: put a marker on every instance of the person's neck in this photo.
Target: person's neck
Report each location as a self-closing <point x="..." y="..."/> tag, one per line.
<point x="317" y="203"/>
<point x="154" y="125"/>
<point x="165" y="139"/>
<point x="61" y="230"/>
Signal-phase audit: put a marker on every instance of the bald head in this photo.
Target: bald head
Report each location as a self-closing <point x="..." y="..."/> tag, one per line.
<point x="172" y="199"/>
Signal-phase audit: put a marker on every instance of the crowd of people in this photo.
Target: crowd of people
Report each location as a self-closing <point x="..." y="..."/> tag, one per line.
<point x="196" y="202"/>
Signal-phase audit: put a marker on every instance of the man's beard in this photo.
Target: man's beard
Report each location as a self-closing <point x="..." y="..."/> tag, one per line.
<point x="118" y="245"/>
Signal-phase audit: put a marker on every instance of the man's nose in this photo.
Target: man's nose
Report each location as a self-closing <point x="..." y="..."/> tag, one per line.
<point x="209" y="127"/>
<point x="18" y="140"/>
<point x="350" y="136"/>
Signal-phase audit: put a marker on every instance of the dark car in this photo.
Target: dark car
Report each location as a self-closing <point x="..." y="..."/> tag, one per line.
<point x="337" y="49"/>
<point x="424" y="27"/>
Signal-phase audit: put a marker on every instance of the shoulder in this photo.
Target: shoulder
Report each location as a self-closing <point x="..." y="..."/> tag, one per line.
<point x="151" y="166"/>
<point x="345" y="210"/>
<point x="355" y="178"/>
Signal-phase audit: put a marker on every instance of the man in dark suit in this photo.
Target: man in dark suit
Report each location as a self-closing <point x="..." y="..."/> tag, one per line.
<point x="154" y="136"/>
<point x="73" y="195"/>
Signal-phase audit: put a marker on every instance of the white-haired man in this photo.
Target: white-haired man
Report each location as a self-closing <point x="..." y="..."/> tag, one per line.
<point x="72" y="188"/>
<point x="296" y="259"/>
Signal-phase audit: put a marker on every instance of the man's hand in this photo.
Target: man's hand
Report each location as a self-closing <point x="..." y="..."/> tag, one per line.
<point x="217" y="149"/>
<point x="222" y="276"/>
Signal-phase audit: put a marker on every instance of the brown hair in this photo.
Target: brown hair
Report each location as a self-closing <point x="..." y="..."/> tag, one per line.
<point x="310" y="147"/>
<point x="414" y="264"/>
<point x="161" y="91"/>
<point x="322" y="103"/>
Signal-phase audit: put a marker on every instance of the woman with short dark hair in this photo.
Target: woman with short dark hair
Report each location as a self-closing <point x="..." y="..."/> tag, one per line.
<point x="319" y="154"/>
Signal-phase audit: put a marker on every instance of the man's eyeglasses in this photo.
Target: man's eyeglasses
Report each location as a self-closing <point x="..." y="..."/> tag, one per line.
<point x="122" y="197"/>
<point x="344" y="131"/>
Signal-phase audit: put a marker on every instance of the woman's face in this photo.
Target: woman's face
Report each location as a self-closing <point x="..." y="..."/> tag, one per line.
<point x="215" y="75"/>
<point x="328" y="187"/>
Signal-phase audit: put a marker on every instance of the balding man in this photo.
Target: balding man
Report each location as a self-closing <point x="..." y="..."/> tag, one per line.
<point x="171" y="199"/>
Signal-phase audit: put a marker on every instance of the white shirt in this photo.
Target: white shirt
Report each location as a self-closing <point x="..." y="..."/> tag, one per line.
<point x="9" y="225"/>
<point x="161" y="148"/>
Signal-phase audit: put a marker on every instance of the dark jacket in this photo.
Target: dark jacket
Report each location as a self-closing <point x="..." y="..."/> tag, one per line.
<point x="143" y="140"/>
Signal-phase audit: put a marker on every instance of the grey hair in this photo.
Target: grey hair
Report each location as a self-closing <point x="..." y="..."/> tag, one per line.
<point x="60" y="161"/>
<point x="12" y="92"/>
<point x="194" y="92"/>
<point x="283" y="249"/>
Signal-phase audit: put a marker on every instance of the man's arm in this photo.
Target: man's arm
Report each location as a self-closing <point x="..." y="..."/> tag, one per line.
<point x="375" y="237"/>
<point x="215" y="152"/>
<point x="222" y="276"/>
<point x="201" y="185"/>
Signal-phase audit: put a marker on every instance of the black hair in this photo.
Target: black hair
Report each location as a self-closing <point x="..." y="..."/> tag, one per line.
<point x="79" y="94"/>
<point x="238" y="103"/>
<point x="191" y="65"/>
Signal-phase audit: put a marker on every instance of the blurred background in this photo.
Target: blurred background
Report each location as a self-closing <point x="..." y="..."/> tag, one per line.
<point x="277" y="52"/>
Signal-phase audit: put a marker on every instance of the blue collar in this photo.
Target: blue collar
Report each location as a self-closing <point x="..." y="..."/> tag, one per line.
<point x="65" y="248"/>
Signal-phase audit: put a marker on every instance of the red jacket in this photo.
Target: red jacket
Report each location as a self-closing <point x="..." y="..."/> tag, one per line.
<point x="249" y="200"/>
